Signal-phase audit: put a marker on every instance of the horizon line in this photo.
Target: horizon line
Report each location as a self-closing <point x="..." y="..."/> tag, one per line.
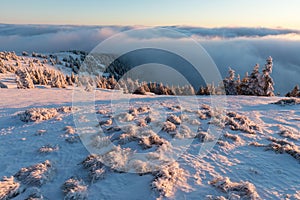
<point x="148" y="26"/>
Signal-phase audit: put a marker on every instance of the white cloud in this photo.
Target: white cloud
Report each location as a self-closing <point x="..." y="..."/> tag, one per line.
<point x="239" y="48"/>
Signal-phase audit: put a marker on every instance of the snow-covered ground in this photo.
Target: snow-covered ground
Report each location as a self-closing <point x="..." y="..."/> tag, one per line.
<point x="258" y="160"/>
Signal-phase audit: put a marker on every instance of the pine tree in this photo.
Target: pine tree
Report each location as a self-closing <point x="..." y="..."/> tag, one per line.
<point x="254" y="82"/>
<point x="294" y="93"/>
<point x="238" y="85"/>
<point x="244" y="85"/>
<point x="230" y="83"/>
<point x="212" y="89"/>
<point x="23" y="79"/>
<point x="188" y="90"/>
<point x="267" y="81"/>
<point x="178" y="91"/>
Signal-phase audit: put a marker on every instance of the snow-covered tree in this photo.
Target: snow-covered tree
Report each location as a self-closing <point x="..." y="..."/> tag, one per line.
<point x="244" y="85"/>
<point x="238" y="84"/>
<point x="230" y="83"/>
<point x="59" y="81"/>
<point x="294" y="93"/>
<point x="255" y="85"/>
<point x="188" y="90"/>
<point x="267" y="81"/>
<point x="23" y="79"/>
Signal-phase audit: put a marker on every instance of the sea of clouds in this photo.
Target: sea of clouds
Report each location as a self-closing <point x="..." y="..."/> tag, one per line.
<point x="237" y="47"/>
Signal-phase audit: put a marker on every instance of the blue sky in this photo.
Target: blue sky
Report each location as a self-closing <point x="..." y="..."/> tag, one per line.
<point x="206" y="13"/>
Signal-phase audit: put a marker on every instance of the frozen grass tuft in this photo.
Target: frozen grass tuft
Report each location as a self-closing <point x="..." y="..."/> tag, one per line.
<point x="65" y="109"/>
<point x="185" y="133"/>
<point x="168" y="127"/>
<point x="284" y="146"/>
<point x="211" y="197"/>
<point x="205" y="137"/>
<point x="102" y="112"/>
<point x="95" y="166"/>
<point x="70" y="130"/>
<point x="174" y="119"/>
<point x="40" y="132"/>
<point x="117" y="158"/>
<point x="48" y="148"/>
<point x="35" y="175"/>
<point x="234" y="190"/>
<point x="70" y="135"/>
<point x="107" y="122"/>
<point x="168" y="178"/>
<point x="143" y="109"/>
<point x="75" y="189"/>
<point x="289" y="133"/>
<point x="233" y="137"/>
<point x="129" y="135"/>
<point x="153" y="139"/>
<point x="40" y="114"/>
<point x="290" y="101"/>
<point x="236" y="121"/>
<point x="9" y="188"/>
<point x="124" y="117"/>
<point x="34" y="193"/>
<point x="256" y="144"/>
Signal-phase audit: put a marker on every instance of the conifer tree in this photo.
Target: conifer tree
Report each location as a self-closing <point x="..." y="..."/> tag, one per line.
<point x="230" y="83"/>
<point x="267" y="81"/>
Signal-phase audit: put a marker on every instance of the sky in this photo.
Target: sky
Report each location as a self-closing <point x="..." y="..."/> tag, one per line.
<point x="204" y="13"/>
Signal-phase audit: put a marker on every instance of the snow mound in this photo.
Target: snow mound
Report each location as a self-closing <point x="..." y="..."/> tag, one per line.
<point x="235" y="190"/>
<point x="74" y="189"/>
<point x="35" y="175"/>
<point x="168" y="179"/>
<point x="9" y="188"/>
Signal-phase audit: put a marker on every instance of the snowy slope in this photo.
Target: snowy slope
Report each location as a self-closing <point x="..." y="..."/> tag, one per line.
<point x="239" y="155"/>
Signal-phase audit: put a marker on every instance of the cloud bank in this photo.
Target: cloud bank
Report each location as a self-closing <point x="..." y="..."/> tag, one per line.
<point x="239" y="48"/>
